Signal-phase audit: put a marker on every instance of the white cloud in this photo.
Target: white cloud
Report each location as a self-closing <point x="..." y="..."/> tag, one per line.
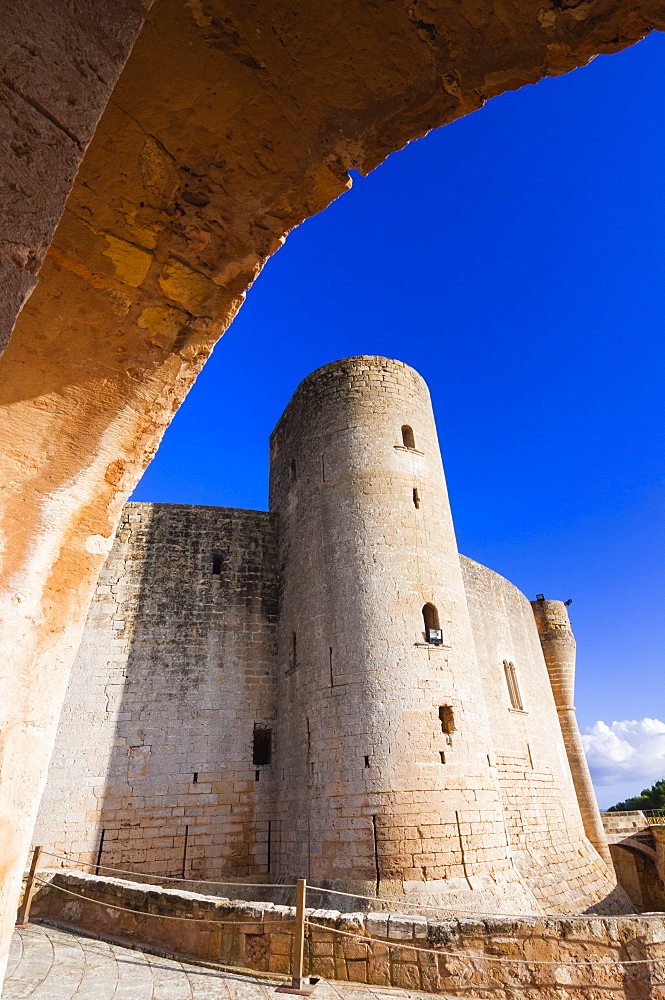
<point x="630" y="751"/>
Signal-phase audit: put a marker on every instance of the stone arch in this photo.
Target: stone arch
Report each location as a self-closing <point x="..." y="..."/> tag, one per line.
<point x="633" y="844"/>
<point x="430" y="617"/>
<point x="230" y="124"/>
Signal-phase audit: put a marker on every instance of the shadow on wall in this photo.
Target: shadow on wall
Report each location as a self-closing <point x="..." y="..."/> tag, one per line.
<point x="187" y="602"/>
<point x="638" y="875"/>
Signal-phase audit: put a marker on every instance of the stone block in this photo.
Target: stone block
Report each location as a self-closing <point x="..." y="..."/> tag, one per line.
<point x="405" y="975"/>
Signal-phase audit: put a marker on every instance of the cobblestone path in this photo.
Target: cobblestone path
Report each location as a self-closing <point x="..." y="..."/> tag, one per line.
<point x="50" y="964"/>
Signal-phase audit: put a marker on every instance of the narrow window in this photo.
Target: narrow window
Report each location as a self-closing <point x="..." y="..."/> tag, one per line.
<point x="294" y="470"/>
<point x="293" y="652"/>
<point x="216" y="563"/>
<point x="442" y="756"/>
<point x="447" y="719"/>
<point x="416" y="497"/>
<point x="332" y="679"/>
<point x="323" y="468"/>
<point x="513" y="686"/>
<point x="195" y="779"/>
<point x="262" y="750"/>
<point x="433" y="632"/>
<point x="366" y="761"/>
<point x="408" y="439"/>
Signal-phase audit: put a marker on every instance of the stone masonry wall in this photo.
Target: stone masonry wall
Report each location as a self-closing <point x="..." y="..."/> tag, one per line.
<point x="380" y="794"/>
<point x="175" y="669"/>
<point x="493" y="957"/>
<point x="397" y="767"/>
<point x="543" y="821"/>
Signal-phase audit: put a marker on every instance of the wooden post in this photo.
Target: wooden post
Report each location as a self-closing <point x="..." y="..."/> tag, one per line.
<point x="299" y="985"/>
<point x="24" y="908"/>
<point x="298" y="955"/>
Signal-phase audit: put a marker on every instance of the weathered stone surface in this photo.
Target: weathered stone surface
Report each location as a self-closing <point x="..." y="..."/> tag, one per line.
<point x="57" y="69"/>
<point x="230" y="124"/>
<point x="51" y="95"/>
<point x="17" y="284"/>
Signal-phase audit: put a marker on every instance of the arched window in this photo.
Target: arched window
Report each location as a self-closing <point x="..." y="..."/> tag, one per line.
<point x="408" y="439"/>
<point x="513" y="686"/>
<point x="431" y="621"/>
<point x="430" y="616"/>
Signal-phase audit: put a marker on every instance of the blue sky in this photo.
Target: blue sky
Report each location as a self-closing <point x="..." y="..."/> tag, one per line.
<point x="516" y="259"/>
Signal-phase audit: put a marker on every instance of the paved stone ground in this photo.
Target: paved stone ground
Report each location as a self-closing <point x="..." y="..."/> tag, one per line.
<point x="50" y="964"/>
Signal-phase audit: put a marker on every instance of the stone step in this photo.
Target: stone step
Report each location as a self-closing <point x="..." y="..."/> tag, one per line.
<point x="208" y="984"/>
<point x="100" y="976"/>
<point x="134" y="975"/>
<point x="169" y="979"/>
<point x="51" y="964"/>
<point x="34" y="966"/>
<point x="67" y="969"/>
<point x="239" y="987"/>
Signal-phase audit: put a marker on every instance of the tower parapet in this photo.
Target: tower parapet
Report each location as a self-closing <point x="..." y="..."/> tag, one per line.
<point x="559" y="650"/>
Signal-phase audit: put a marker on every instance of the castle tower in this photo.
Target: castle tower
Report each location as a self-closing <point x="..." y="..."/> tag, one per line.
<point x="383" y="745"/>
<point x="558" y="642"/>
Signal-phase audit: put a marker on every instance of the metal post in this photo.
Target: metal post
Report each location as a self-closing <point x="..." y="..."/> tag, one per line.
<point x="24" y="908"/>
<point x="298" y="956"/>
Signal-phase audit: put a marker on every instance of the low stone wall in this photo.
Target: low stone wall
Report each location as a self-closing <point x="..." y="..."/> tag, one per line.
<point x="464" y="952"/>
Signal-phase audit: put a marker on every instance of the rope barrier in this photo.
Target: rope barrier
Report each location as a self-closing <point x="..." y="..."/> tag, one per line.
<point x="173" y="878"/>
<point x="455" y="912"/>
<point x="165" y="916"/>
<point x="474" y="958"/>
<point x="468" y="913"/>
<point x="351" y="934"/>
<point x="302" y="920"/>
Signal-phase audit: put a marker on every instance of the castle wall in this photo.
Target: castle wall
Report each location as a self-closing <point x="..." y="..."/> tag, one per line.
<point x="543" y="821"/>
<point x="174" y="671"/>
<point x="397" y="766"/>
<point x="376" y="796"/>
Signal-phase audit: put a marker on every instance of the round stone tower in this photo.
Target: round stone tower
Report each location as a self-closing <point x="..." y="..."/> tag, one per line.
<point x="558" y="642"/>
<point x="383" y="744"/>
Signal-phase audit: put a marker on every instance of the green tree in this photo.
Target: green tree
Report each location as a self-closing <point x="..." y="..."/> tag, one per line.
<point x="649" y="798"/>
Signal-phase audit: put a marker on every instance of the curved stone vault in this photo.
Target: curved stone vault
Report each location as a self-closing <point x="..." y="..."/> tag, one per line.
<point x="230" y="124"/>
